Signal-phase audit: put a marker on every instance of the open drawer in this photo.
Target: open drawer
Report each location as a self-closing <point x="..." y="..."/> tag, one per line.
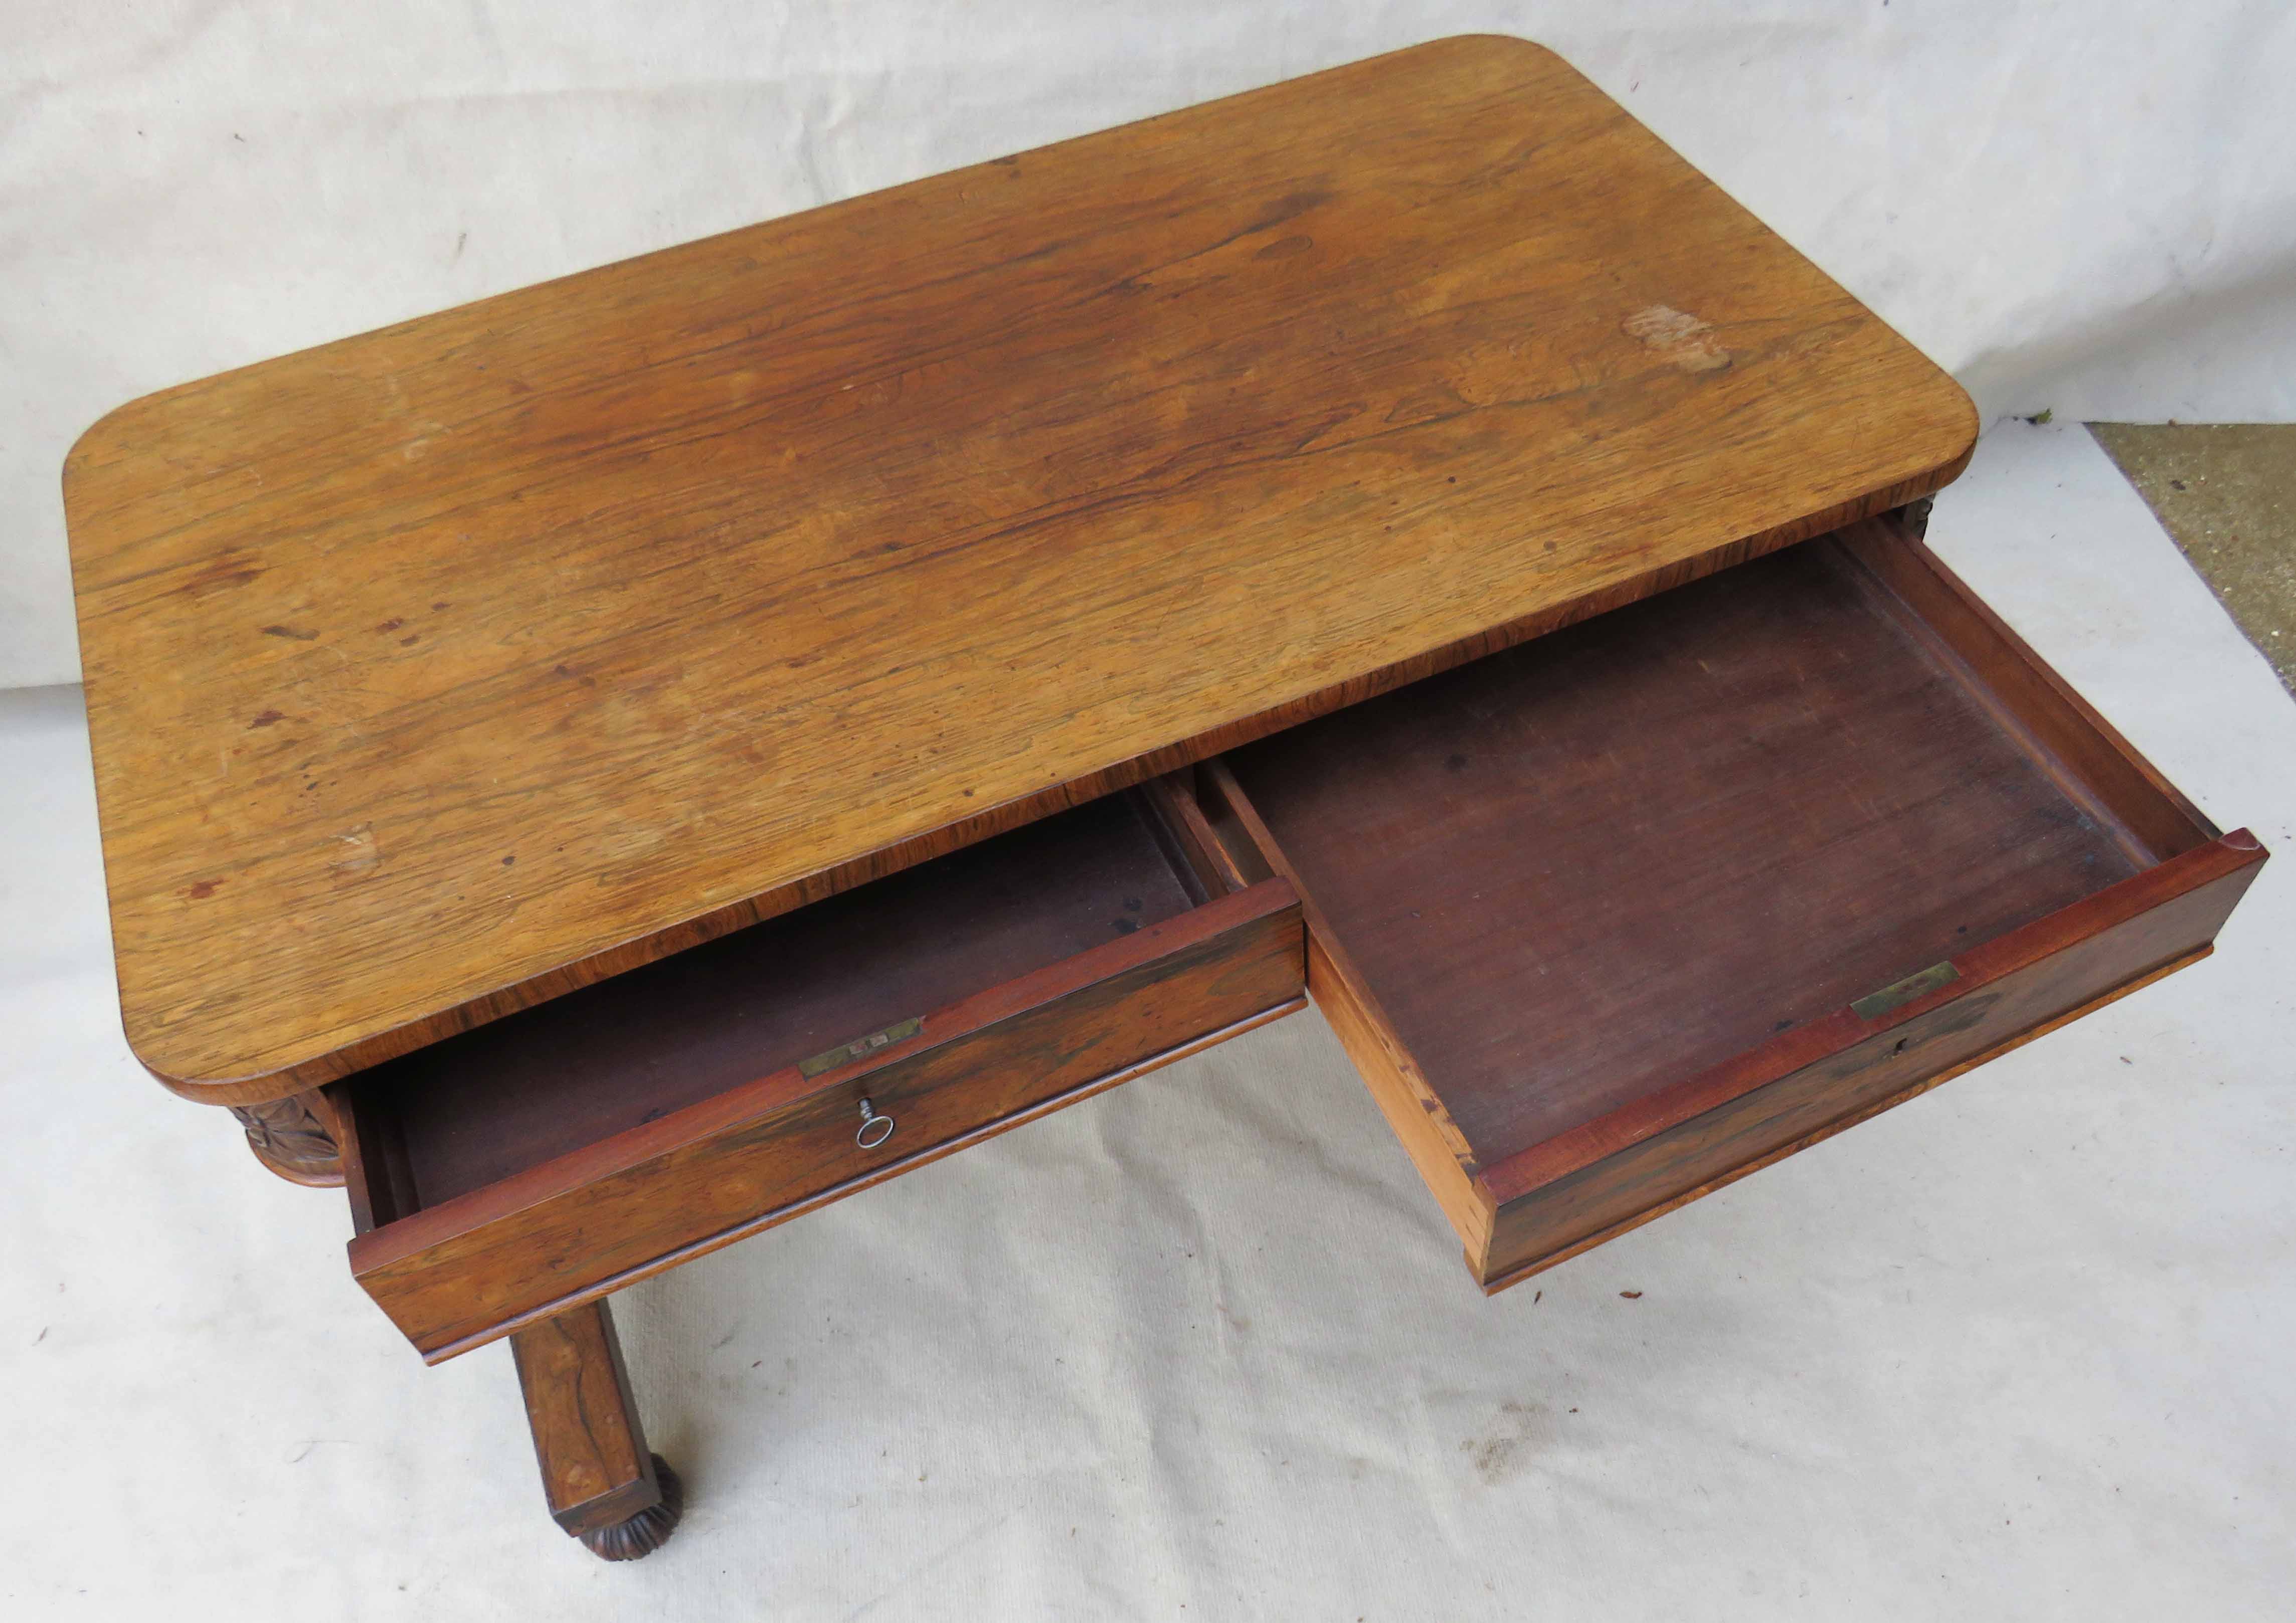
<point x="563" y="1151"/>
<point x="1612" y="918"/>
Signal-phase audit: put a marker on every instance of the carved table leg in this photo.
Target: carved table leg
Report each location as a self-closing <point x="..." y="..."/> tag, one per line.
<point x="295" y="1137"/>
<point x="603" y="1485"/>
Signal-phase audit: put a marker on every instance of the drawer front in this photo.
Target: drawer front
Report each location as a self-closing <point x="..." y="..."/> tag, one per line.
<point x="455" y="1275"/>
<point x="2004" y="995"/>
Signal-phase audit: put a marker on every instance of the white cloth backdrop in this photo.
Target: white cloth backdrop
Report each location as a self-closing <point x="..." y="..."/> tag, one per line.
<point x="2089" y="206"/>
<point x="1203" y="1347"/>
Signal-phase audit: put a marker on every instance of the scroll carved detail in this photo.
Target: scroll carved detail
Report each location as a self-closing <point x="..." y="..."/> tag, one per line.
<point x="295" y="1138"/>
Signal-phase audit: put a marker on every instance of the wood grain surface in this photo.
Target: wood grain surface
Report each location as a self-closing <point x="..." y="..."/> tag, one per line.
<point x="2126" y="795"/>
<point x="1501" y="1276"/>
<point x="1398" y="1085"/>
<point x="435" y="672"/>
<point x="488" y="1260"/>
<point x="476" y="1108"/>
<point x="1580" y="870"/>
<point x="596" y="1469"/>
<point x="1793" y="1093"/>
<point x="1602" y="920"/>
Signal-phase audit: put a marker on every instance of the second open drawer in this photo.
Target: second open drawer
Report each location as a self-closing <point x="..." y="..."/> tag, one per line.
<point x="563" y="1151"/>
<point x="1616" y="916"/>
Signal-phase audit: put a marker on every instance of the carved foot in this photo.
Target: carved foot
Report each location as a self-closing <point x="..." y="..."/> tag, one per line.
<point x="648" y="1530"/>
<point x="295" y="1138"/>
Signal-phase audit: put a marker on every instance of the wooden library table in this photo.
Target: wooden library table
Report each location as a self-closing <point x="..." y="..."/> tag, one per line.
<point x="609" y="768"/>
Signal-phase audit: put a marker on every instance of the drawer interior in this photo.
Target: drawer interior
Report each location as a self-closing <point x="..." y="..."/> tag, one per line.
<point x="1559" y="880"/>
<point x="481" y="1106"/>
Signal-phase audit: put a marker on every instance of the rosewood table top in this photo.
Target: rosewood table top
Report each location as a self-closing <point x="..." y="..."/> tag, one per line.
<point x="438" y="670"/>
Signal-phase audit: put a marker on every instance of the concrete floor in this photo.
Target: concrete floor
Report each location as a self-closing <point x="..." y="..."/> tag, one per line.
<point x="2227" y="493"/>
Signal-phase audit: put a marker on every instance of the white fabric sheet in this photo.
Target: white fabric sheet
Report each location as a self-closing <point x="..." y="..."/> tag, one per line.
<point x="1204" y="1348"/>
<point x="2084" y="205"/>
